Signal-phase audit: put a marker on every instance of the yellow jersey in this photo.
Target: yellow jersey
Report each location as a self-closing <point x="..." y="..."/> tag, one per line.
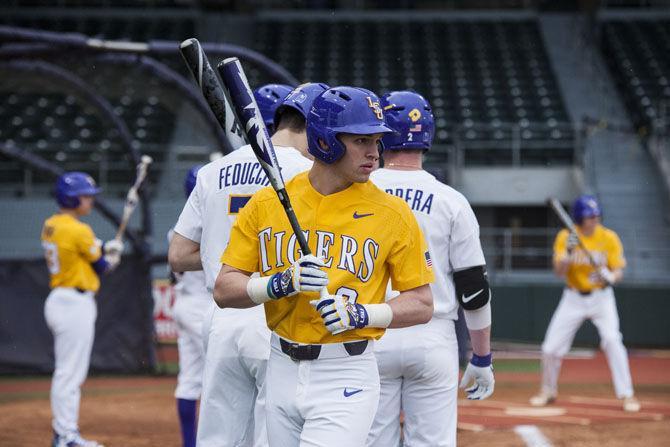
<point x="365" y="236"/>
<point x="70" y="247"/>
<point x="606" y="248"/>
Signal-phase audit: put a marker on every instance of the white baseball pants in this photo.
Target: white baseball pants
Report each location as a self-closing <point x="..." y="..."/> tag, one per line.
<point x="70" y="315"/>
<point x="232" y="406"/>
<point x="327" y="402"/>
<point x="189" y="313"/>
<point x="572" y="311"/>
<point x="418" y="368"/>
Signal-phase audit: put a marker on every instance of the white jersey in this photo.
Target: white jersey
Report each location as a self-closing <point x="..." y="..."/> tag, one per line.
<point x="222" y="188"/>
<point x="448" y="224"/>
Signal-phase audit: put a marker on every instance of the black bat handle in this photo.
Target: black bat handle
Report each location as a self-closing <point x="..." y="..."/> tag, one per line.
<point x="293" y="220"/>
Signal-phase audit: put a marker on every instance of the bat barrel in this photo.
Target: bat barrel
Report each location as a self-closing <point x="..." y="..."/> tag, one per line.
<point x="202" y="71"/>
<point x="244" y="106"/>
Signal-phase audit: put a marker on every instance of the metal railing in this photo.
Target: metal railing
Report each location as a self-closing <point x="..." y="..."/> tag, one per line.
<point x="529" y="251"/>
<point x="518" y="143"/>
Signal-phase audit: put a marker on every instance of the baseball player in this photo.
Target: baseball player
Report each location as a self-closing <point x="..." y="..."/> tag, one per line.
<point x="192" y="303"/>
<point x="322" y="381"/>
<point x="75" y="259"/>
<point x="587" y="295"/>
<point x="237" y="341"/>
<point x="418" y="365"/>
<point x="268" y="98"/>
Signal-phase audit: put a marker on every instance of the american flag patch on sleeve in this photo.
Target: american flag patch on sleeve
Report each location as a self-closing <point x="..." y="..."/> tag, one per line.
<point x="429" y="262"/>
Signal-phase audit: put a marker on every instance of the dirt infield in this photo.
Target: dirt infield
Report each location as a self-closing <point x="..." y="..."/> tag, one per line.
<point x="140" y="411"/>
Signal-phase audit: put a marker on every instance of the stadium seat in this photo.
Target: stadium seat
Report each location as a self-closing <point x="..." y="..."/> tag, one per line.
<point x="636" y="51"/>
<point x="484" y="72"/>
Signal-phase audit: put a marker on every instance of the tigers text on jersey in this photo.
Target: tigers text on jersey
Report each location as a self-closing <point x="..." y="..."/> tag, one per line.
<point x="448" y="223"/>
<point x="70" y="247"/>
<point x="222" y="188"/>
<point x="604" y="245"/>
<point x="364" y="235"/>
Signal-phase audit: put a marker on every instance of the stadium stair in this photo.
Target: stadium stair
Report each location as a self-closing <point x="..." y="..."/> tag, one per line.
<point x="617" y="168"/>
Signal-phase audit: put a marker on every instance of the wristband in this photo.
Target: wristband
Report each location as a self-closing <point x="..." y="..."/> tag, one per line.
<point x="479" y="318"/>
<point x="481" y="361"/>
<point x="379" y="315"/>
<point x="258" y="289"/>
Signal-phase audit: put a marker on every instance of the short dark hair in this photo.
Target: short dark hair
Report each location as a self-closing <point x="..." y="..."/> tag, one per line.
<point x="291" y="119"/>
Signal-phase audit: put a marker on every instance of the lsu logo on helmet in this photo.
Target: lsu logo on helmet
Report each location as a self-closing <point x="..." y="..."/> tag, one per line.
<point x="379" y="113"/>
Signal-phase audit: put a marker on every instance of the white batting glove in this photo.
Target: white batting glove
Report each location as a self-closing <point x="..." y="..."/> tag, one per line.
<point x="606" y="275"/>
<point x="113" y="247"/>
<point x="305" y="275"/>
<point x="113" y="260"/>
<point x="479" y="371"/>
<point x="339" y="314"/>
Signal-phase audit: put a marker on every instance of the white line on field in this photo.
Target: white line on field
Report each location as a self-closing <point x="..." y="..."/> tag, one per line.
<point x="532" y="436"/>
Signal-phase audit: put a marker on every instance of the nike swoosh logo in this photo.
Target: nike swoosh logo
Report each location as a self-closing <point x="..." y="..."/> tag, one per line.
<point x="469" y="298"/>
<point x="358" y="216"/>
<point x="352" y="392"/>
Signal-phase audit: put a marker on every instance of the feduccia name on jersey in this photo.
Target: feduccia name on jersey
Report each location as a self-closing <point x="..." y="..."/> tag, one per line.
<point x="417" y="199"/>
<point x="249" y="173"/>
<point x="357" y="259"/>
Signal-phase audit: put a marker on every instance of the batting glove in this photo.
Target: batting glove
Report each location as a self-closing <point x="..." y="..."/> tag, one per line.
<point x="479" y="371"/>
<point x="339" y="314"/>
<point x="573" y="241"/>
<point x="305" y="275"/>
<point x="112" y="250"/>
<point x="113" y="247"/>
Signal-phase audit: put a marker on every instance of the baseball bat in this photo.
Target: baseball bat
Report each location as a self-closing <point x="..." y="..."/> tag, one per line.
<point x="197" y="62"/>
<point x="132" y="197"/>
<point x="565" y="218"/>
<point x="243" y="103"/>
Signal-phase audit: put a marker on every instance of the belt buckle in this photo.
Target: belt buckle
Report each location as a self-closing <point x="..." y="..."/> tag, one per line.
<point x="293" y="350"/>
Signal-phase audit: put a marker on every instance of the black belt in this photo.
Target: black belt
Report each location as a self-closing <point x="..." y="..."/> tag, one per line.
<point x="311" y="352"/>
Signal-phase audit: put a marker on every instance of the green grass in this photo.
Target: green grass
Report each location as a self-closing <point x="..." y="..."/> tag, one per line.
<point x="517" y="365"/>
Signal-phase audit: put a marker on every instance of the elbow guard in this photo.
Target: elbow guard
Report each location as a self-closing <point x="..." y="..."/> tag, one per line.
<point x="472" y="287"/>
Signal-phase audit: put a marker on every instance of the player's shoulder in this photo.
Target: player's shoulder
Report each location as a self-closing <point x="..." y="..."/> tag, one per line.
<point x="562" y="233"/>
<point x="608" y="233"/>
<point x="291" y="153"/>
<point x="68" y="225"/>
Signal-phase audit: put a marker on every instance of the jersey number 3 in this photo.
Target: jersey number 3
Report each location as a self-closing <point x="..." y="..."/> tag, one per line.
<point x="51" y="255"/>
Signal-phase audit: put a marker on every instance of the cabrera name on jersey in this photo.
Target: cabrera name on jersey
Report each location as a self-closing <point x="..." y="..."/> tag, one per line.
<point x="417" y="199"/>
<point x="448" y="224"/>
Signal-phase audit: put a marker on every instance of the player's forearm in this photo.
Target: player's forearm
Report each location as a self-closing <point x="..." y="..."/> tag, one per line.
<point x="230" y="289"/>
<point x="561" y="267"/>
<point x="184" y="254"/>
<point x="412" y="307"/>
<point x="481" y="340"/>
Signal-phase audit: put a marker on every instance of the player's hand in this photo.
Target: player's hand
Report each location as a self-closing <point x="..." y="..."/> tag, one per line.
<point x="113" y="247"/>
<point x="606" y="275"/>
<point x="305" y="275"/>
<point x="573" y="241"/>
<point x="479" y="371"/>
<point x="339" y="314"/>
